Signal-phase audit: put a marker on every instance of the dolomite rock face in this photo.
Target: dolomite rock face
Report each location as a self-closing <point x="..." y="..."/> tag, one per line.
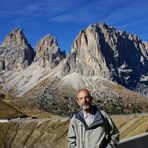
<point x="102" y="51"/>
<point x="146" y="46"/>
<point x="15" y="52"/>
<point x="48" y="52"/>
<point x="99" y="52"/>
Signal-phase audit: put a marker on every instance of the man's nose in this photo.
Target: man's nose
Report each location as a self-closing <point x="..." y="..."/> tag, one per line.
<point x="84" y="99"/>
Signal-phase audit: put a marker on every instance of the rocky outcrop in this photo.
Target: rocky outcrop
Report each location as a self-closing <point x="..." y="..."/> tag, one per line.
<point x="48" y="52"/>
<point x="85" y="57"/>
<point x="146" y="46"/>
<point x="15" y="52"/>
<point x="102" y="51"/>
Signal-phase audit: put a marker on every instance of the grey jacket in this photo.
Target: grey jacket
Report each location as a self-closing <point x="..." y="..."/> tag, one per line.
<point x="102" y="133"/>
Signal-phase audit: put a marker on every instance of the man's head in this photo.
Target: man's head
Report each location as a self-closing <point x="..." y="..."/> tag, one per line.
<point x="84" y="99"/>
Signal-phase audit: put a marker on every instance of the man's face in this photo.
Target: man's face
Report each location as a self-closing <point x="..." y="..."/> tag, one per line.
<point x="84" y="99"/>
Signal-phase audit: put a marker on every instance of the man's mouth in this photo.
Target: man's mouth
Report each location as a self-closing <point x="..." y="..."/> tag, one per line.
<point x="85" y="106"/>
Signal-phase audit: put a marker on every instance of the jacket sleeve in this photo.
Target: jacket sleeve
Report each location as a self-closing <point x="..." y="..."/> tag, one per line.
<point x="113" y="135"/>
<point x="71" y="135"/>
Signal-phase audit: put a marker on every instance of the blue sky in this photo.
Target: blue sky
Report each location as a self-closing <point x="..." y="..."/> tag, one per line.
<point x="65" y="18"/>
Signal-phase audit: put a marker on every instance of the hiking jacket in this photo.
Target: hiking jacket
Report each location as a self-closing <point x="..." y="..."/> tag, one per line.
<point x="102" y="133"/>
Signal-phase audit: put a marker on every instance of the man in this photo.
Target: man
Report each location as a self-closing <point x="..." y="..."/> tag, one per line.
<point x="91" y="127"/>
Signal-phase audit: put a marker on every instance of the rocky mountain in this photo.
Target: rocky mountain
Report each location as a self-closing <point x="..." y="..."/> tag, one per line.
<point x="102" y="51"/>
<point x="15" y="52"/>
<point x="110" y="63"/>
<point x="98" y="52"/>
<point x="48" y="56"/>
<point x="101" y="59"/>
<point x="48" y="52"/>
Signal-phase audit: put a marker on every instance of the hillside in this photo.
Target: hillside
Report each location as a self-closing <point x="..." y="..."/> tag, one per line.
<point x="14" y="107"/>
<point x="33" y="134"/>
<point x="114" y="98"/>
<point x="131" y="125"/>
<point x="53" y="133"/>
<point x="8" y="111"/>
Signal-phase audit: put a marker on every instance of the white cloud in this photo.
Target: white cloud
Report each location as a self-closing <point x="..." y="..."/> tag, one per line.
<point x="23" y="8"/>
<point x="133" y="12"/>
<point x="112" y="11"/>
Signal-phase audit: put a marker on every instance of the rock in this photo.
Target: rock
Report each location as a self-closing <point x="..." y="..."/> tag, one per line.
<point x="99" y="54"/>
<point x="48" y="52"/>
<point x="102" y="51"/>
<point x="15" y="52"/>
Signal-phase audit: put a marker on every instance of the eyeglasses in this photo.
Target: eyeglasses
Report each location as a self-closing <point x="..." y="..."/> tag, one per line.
<point x="85" y="97"/>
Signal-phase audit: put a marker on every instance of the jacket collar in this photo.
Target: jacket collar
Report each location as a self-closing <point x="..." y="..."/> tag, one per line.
<point x="98" y="119"/>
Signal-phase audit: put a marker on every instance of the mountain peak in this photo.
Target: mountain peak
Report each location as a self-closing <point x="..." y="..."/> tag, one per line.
<point x="101" y="50"/>
<point x="48" y="52"/>
<point x="15" y="52"/>
<point x="15" y="38"/>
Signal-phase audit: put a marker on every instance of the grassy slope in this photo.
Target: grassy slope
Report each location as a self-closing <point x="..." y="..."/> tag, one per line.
<point x="53" y="133"/>
<point x="13" y="107"/>
<point x="131" y="125"/>
<point x="30" y="108"/>
<point x="125" y="93"/>
<point x="34" y="134"/>
<point x="130" y="96"/>
<point x="8" y="111"/>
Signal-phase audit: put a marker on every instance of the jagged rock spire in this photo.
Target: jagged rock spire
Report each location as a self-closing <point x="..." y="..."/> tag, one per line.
<point x="15" y="52"/>
<point x="48" y="52"/>
<point x="102" y="51"/>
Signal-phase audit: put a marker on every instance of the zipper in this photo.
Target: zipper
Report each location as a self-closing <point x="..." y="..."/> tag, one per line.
<point x="83" y="137"/>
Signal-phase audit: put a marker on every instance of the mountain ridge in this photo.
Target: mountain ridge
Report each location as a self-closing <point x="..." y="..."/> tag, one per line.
<point x="98" y="50"/>
<point x="100" y="55"/>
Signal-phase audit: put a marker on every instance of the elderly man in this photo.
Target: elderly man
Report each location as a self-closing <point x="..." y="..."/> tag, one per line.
<point x="91" y="127"/>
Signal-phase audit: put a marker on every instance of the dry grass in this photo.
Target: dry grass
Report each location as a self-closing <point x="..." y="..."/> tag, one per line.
<point x="29" y="108"/>
<point x="53" y="133"/>
<point x="13" y="107"/>
<point x="30" y="134"/>
<point x="131" y="125"/>
<point x="8" y="111"/>
<point x="125" y="93"/>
